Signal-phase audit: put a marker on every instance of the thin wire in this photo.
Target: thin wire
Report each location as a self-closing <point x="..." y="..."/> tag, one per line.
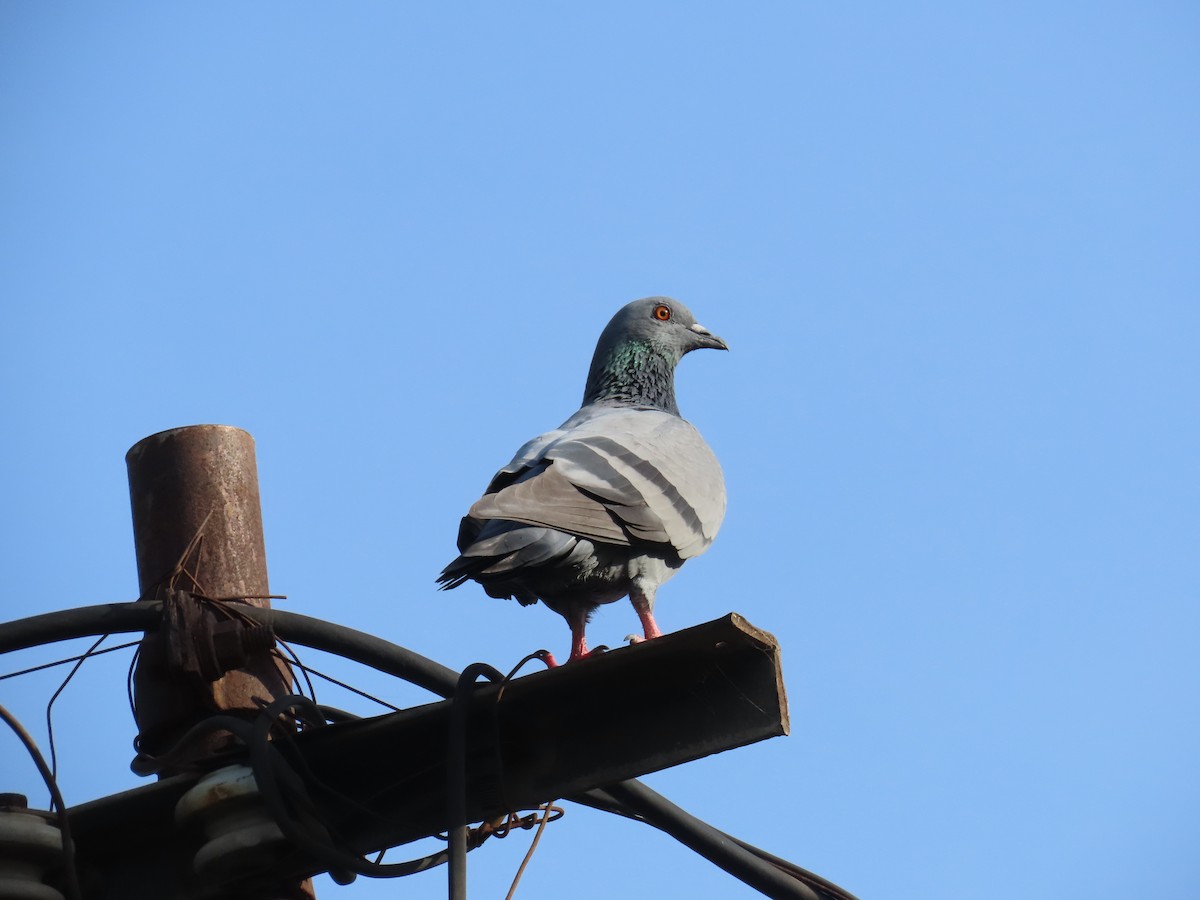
<point x="349" y="687"/>
<point x="536" y="654"/>
<point x="543" y="655"/>
<point x="129" y="682"/>
<point x="50" y="706"/>
<point x="312" y="691"/>
<point x="56" y="799"/>
<point x="546" y="810"/>
<point x="69" y="659"/>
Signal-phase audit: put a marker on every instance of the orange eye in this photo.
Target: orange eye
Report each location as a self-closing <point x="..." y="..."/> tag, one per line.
<point x="662" y="313"/>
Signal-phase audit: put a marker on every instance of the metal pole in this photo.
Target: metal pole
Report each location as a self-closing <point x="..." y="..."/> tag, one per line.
<point x="197" y="527"/>
<point x="202" y="479"/>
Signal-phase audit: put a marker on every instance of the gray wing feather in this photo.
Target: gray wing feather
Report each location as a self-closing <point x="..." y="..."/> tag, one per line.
<point x="520" y="547"/>
<point x="666" y="469"/>
<point x="615" y="475"/>
<point x="550" y="499"/>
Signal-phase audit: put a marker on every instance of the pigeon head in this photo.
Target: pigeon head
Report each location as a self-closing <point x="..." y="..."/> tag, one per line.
<point x="635" y="359"/>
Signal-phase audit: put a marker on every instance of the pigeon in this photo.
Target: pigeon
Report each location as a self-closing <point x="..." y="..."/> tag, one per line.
<point x="613" y="501"/>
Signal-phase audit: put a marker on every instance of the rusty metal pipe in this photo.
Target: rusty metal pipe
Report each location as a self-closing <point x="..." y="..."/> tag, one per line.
<point x="197" y="527"/>
<point x="193" y="479"/>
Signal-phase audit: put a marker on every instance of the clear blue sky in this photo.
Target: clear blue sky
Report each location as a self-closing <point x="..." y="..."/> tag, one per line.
<point x="952" y="246"/>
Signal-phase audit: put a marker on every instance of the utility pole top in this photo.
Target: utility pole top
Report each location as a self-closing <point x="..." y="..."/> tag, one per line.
<point x="197" y="528"/>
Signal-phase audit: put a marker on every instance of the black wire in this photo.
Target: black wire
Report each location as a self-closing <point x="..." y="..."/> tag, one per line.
<point x="295" y="660"/>
<point x="129" y="681"/>
<point x="69" y="659"/>
<point x="333" y="715"/>
<point x="71" y="877"/>
<point x="456" y="805"/>
<point x="349" y="687"/>
<point x="146" y="615"/>
<point x="50" y="706"/>
<point x="83" y="621"/>
<point x="823" y="886"/>
<point x="600" y="799"/>
<point x="710" y="842"/>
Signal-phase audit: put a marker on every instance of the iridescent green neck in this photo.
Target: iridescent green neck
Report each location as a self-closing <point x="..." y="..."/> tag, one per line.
<point x="634" y="373"/>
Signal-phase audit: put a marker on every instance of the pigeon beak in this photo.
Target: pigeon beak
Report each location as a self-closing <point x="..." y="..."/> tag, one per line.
<point x="706" y="338"/>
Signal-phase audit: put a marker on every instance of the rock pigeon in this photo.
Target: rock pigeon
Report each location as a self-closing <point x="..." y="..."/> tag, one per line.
<point x="613" y="501"/>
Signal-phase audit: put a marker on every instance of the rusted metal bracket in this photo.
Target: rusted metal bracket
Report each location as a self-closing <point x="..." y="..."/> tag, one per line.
<point x="207" y="638"/>
<point x="547" y="735"/>
<point x="629" y="712"/>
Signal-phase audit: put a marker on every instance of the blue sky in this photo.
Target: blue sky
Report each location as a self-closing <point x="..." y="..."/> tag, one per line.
<point x="953" y="248"/>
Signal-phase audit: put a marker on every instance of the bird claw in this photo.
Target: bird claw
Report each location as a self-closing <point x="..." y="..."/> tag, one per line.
<point x="588" y="654"/>
<point x="634" y="638"/>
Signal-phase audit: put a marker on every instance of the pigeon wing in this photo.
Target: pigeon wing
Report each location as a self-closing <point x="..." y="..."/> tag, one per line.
<point x="615" y="476"/>
<point x="542" y="495"/>
<point x="653" y="470"/>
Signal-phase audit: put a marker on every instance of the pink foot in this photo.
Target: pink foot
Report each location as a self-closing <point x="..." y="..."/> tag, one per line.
<point x="578" y="622"/>
<point x="641" y="605"/>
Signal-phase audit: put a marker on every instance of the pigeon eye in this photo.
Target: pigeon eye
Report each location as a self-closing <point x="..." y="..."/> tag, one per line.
<point x="662" y="313"/>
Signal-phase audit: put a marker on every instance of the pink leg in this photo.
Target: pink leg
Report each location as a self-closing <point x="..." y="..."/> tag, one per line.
<point x="641" y="604"/>
<point x="578" y="622"/>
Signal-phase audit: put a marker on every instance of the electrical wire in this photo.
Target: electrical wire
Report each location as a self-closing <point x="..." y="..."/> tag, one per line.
<point x="703" y="838"/>
<point x="70" y="876"/>
<point x="456" y="805"/>
<point x="129" y="689"/>
<point x="82" y="621"/>
<point x="146" y="615"/>
<point x="62" y="687"/>
<point x="69" y="659"/>
<point x="309" y="670"/>
<point x="600" y="799"/>
<point x="291" y="659"/>
<point x="547" y="809"/>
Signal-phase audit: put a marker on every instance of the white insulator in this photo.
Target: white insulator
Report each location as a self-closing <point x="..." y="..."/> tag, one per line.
<point x="30" y="845"/>
<point x="241" y="834"/>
